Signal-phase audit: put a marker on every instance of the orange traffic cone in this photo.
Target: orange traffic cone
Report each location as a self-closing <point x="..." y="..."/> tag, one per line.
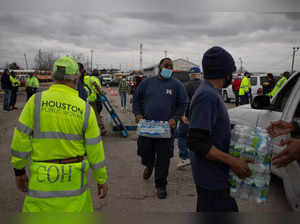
<point x="111" y="93"/>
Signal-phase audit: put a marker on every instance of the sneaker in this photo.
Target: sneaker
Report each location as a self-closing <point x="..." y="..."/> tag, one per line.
<point x="15" y="108"/>
<point x="161" y="193"/>
<point x="147" y="173"/>
<point x="183" y="163"/>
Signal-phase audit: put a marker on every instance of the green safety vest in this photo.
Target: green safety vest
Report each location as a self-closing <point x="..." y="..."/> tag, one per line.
<point x="89" y="81"/>
<point x="245" y="86"/>
<point x="15" y="82"/>
<point x="278" y="85"/>
<point x="57" y="124"/>
<point x="32" y="82"/>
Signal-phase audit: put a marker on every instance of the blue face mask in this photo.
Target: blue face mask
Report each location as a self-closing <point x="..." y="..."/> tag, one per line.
<point x="166" y="73"/>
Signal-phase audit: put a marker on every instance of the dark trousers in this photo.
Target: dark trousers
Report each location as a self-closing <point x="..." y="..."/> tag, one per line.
<point x="13" y="97"/>
<point x="182" y="132"/>
<point x="244" y="99"/>
<point x="237" y="98"/>
<point x="30" y="91"/>
<point x="7" y="97"/>
<point x="215" y="201"/>
<point x="156" y="153"/>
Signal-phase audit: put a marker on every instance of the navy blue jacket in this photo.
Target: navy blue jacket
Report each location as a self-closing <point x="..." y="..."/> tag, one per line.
<point x="160" y="99"/>
<point x="5" y="82"/>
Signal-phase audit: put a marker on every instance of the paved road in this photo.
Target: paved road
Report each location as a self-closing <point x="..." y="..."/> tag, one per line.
<point x="128" y="192"/>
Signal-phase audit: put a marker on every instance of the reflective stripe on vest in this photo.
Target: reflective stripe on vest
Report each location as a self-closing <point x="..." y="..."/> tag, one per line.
<point x="24" y="129"/>
<point x="93" y="141"/>
<point x="21" y="155"/>
<point x="54" y="135"/>
<point x="61" y="193"/>
<point x="98" y="166"/>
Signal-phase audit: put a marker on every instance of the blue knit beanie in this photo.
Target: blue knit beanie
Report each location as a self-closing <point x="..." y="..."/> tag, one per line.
<point x="217" y="63"/>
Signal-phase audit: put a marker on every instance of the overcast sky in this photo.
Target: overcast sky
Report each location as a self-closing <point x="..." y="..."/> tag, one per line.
<point x="262" y="33"/>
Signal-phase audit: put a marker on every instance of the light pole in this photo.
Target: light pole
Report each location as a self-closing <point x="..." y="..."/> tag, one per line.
<point x="92" y="51"/>
<point x="295" y="49"/>
<point x="241" y="61"/>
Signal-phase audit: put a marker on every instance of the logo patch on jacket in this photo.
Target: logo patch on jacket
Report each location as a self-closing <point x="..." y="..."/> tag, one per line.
<point x="169" y="92"/>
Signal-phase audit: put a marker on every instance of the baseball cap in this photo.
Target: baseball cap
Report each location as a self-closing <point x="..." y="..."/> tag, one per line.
<point x="195" y="70"/>
<point x="65" y="68"/>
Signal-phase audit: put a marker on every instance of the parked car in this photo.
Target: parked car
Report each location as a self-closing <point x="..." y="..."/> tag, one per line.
<point x="285" y="105"/>
<point x="257" y="88"/>
<point x="115" y="82"/>
<point x="106" y="79"/>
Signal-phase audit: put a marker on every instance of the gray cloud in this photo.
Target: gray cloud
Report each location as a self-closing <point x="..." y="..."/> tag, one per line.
<point x="263" y="39"/>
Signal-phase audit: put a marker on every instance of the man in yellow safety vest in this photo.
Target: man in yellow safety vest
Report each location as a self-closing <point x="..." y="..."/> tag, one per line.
<point x="56" y="130"/>
<point x="15" y="86"/>
<point x="245" y="89"/>
<point x="280" y="83"/>
<point x="32" y="84"/>
<point x="93" y="82"/>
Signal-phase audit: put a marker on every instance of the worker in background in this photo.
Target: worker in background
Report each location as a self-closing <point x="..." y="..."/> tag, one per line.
<point x="82" y="88"/>
<point x="93" y="83"/>
<point x="268" y="84"/>
<point x="280" y="83"/>
<point x="292" y="151"/>
<point x="159" y="98"/>
<point x="32" y="85"/>
<point x="183" y="125"/>
<point x="15" y="86"/>
<point x="124" y="89"/>
<point x="245" y="89"/>
<point x="236" y="87"/>
<point x="209" y="136"/>
<point x="56" y="129"/>
<point x="6" y="85"/>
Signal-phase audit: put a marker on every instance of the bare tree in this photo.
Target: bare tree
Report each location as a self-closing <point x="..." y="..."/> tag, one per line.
<point x="13" y="65"/>
<point x="44" y="60"/>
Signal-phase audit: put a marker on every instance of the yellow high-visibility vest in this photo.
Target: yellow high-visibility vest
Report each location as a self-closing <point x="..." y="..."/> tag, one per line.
<point x="89" y="81"/>
<point x="278" y="85"/>
<point x="245" y="86"/>
<point x="57" y="124"/>
<point x="15" y="82"/>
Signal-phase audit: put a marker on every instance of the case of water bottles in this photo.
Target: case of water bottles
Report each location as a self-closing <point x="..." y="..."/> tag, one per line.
<point x="154" y="129"/>
<point x="253" y="143"/>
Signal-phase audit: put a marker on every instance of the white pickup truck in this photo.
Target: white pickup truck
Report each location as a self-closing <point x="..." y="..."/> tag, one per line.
<point x="285" y="105"/>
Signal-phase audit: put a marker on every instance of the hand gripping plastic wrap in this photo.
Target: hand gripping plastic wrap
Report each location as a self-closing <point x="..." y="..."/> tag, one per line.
<point x="154" y="129"/>
<point x="253" y="143"/>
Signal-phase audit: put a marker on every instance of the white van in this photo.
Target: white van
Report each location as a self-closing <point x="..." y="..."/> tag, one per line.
<point x="257" y="88"/>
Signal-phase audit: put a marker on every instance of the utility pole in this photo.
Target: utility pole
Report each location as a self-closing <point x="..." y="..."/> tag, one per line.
<point x="26" y="61"/>
<point x="166" y="53"/>
<point x="92" y="51"/>
<point x="295" y="49"/>
<point x="241" y="61"/>
<point x="141" y="57"/>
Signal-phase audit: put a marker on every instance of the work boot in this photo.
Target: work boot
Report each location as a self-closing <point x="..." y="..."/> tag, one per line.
<point x="161" y="193"/>
<point x="147" y="173"/>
